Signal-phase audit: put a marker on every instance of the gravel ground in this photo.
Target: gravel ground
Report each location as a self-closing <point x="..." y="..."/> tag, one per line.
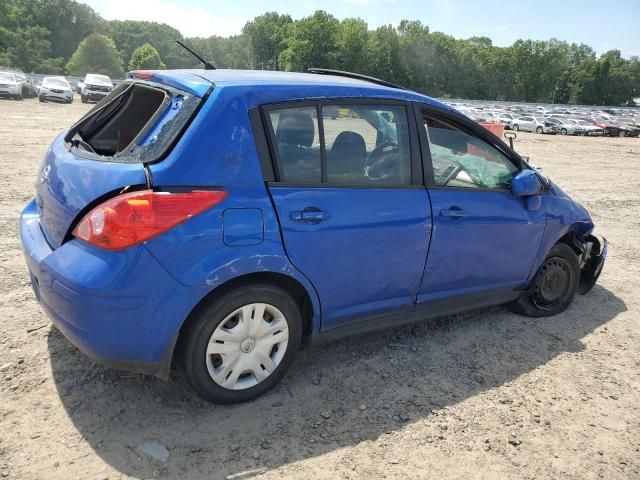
<point x="486" y="394"/>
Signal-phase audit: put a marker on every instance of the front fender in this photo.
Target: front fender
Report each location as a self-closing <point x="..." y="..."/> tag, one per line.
<point x="564" y="217"/>
<point x="593" y="257"/>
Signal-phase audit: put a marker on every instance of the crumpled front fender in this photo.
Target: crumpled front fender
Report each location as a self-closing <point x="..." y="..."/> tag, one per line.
<point x="594" y="255"/>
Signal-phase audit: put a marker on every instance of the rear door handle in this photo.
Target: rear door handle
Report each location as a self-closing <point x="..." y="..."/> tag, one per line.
<point x="453" y="212"/>
<point x="308" y="215"/>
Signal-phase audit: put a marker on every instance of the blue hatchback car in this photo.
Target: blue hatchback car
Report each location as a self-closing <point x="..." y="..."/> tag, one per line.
<point x="220" y="219"/>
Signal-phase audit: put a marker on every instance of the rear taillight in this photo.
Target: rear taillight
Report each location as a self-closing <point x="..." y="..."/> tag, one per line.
<point x="132" y="218"/>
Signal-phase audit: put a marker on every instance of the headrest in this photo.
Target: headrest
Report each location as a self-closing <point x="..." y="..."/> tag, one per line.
<point x="295" y="128"/>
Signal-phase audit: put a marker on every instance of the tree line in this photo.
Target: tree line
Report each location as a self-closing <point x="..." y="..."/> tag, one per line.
<point x="67" y="37"/>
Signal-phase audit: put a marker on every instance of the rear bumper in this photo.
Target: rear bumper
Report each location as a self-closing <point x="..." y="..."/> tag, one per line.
<point x="121" y="309"/>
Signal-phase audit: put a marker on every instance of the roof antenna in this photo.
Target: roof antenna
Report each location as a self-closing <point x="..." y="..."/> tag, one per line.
<point x="207" y="65"/>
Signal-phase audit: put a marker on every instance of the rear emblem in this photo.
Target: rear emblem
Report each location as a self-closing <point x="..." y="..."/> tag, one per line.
<point x="45" y="174"/>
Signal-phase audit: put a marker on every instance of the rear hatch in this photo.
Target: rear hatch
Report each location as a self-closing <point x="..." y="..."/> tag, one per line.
<point x="105" y="152"/>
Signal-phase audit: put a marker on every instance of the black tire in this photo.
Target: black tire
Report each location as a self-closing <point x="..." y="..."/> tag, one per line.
<point x="83" y="99"/>
<point x="539" y="130"/>
<point x="553" y="287"/>
<point x="41" y="99"/>
<point x="516" y="127"/>
<point x="192" y="345"/>
<point x="563" y="131"/>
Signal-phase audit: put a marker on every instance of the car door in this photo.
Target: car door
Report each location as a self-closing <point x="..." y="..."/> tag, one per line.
<point x="353" y="210"/>
<point x="484" y="238"/>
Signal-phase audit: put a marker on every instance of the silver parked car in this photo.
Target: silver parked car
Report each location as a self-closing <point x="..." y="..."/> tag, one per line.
<point x="95" y="87"/>
<point x="566" y="128"/>
<point x="55" y="88"/>
<point x="27" y="86"/>
<point x="532" y="123"/>
<point x="589" y="128"/>
<point x="9" y="86"/>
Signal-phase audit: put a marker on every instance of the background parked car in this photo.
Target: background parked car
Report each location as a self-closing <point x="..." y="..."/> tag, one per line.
<point x="95" y="87"/>
<point x="588" y="127"/>
<point x="608" y="126"/>
<point x="566" y="128"/>
<point x="535" y="124"/>
<point x="27" y="86"/>
<point x="628" y="128"/>
<point x="56" y="89"/>
<point x="9" y="86"/>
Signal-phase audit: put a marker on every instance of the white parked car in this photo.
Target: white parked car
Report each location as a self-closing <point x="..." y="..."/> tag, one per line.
<point x="531" y="123"/>
<point x="95" y="87"/>
<point x="589" y="128"/>
<point x="56" y="89"/>
<point x="9" y="86"/>
<point x="566" y="128"/>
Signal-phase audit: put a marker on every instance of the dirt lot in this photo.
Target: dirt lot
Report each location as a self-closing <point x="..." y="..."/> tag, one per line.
<point x="482" y="395"/>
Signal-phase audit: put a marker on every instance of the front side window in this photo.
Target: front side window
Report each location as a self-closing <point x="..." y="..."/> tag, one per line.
<point x="342" y="144"/>
<point x="462" y="160"/>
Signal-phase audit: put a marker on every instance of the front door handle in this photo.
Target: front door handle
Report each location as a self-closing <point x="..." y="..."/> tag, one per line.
<point x="453" y="212"/>
<point x="308" y="215"/>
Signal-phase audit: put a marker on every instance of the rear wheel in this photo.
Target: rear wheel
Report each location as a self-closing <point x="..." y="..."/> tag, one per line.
<point x="516" y="127"/>
<point x="41" y="99"/>
<point x="83" y="99"/>
<point x="240" y="345"/>
<point x="563" y="131"/>
<point x="539" y="130"/>
<point x="553" y="287"/>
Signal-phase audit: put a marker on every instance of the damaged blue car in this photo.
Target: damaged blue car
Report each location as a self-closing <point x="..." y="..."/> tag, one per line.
<point x="218" y="220"/>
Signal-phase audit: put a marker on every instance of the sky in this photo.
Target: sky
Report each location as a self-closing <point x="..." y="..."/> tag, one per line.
<point x="602" y="25"/>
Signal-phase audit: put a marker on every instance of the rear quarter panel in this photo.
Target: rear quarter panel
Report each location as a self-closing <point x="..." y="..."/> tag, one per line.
<point x="218" y="150"/>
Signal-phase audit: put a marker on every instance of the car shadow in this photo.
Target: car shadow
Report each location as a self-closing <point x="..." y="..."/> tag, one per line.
<point x="335" y="395"/>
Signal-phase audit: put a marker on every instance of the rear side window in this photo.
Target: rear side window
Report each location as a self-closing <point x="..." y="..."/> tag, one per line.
<point x="134" y="123"/>
<point x="342" y="144"/>
<point x="297" y="142"/>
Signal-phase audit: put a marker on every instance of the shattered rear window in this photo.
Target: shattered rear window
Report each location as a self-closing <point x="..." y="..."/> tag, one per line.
<point x="136" y="123"/>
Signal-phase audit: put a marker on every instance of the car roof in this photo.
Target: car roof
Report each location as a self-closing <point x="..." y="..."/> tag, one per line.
<point x="294" y="85"/>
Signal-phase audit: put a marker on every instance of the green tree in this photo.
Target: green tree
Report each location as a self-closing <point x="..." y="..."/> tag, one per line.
<point x="383" y="49"/>
<point x="266" y="35"/>
<point x="130" y="34"/>
<point x="29" y="48"/>
<point x="146" y="57"/>
<point x="96" y="54"/>
<point x="67" y="21"/>
<point x="352" y="41"/>
<point x="311" y="42"/>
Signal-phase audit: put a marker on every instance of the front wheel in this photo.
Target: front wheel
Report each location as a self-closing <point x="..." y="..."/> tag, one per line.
<point x="516" y="127"/>
<point x="241" y="344"/>
<point x="539" y="130"/>
<point x="563" y="131"/>
<point x="553" y="287"/>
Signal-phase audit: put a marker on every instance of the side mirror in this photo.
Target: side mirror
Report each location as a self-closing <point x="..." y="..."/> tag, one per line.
<point x="526" y="184"/>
